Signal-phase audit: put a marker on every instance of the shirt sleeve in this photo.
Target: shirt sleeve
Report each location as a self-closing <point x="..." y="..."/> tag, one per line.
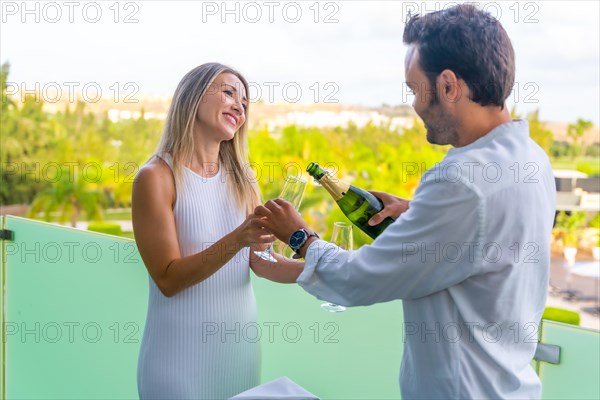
<point x="432" y="246"/>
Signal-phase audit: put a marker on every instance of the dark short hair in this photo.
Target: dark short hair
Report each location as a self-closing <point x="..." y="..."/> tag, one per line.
<point x="471" y="43"/>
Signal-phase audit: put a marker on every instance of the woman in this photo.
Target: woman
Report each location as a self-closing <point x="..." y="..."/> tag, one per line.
<point x="191" y="211"/>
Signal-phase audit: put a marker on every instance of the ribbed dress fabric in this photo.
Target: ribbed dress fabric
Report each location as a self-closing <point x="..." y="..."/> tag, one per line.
<point x="202" y="342"/>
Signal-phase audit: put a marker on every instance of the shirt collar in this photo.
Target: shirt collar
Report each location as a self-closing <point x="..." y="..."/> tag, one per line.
<point x="515" y="127"/>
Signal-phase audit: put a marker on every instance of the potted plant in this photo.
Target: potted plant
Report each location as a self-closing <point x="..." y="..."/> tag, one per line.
<point x="570" y="226"/>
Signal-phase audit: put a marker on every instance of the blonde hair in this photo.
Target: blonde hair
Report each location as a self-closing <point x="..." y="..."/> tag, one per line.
<point x="178" y="135"/>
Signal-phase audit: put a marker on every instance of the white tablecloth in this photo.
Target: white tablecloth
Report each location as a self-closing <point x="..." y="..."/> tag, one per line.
<point x="281" y="388"/>
<point x="591" y="268"/>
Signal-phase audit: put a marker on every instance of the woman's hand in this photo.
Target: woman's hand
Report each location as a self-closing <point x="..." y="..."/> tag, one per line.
<point x="250" y="233"/>
<point x="393" y="206"/>
<point x="280" y="218"/>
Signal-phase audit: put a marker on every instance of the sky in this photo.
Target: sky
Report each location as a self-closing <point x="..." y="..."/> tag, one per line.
<point x="349" y="52"/>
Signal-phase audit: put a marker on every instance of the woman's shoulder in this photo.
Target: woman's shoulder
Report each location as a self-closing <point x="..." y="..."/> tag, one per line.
<point x="156" y="167"/>
<point x="155" y="175"/>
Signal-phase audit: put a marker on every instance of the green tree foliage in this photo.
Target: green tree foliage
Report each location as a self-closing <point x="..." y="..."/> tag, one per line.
<point x="538" y="132"/>
<point x="75" y="163"/>
<point x="372" y="157"/>
<point x="23" y="138"/>
<point x="576" y="132"/>
<point x="70" y="196"/>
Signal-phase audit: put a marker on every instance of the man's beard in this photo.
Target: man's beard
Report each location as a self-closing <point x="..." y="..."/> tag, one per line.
<point x="442" y="127"/>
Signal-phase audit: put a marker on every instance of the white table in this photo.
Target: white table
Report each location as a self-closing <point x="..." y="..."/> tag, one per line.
<point x="590" y="269"/>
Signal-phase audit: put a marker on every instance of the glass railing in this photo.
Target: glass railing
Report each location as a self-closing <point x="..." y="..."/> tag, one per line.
<point x="74" y="309"/>
<point x="575" y="374"/>
<point x="74" y="305"/>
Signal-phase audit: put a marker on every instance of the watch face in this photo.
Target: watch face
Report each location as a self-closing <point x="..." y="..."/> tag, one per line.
<point x="297" y="239"/>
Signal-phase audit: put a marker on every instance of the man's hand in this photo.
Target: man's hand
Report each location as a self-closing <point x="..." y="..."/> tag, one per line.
<point x="392" y="207"/>
<point x="280" y="218"/>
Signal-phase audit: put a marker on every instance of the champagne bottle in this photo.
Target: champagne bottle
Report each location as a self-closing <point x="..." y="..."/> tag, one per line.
<point x="357" y="204"/>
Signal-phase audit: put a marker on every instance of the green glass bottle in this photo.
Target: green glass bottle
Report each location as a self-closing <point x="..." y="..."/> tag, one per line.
<point x="357" y="204"/>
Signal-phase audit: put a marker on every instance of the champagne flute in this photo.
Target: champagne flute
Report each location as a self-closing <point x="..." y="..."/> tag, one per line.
<point x="341" y="237"/>
<point x="292" y="191"/>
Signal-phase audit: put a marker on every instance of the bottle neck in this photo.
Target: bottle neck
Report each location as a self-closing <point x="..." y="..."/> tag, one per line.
<point x="336" y="188"/>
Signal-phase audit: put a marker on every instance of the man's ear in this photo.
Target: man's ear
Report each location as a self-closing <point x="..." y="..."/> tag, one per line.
<point x="449" y="86"/>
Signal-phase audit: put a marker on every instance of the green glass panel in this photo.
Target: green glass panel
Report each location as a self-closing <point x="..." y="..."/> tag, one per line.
<point x="75" y="309"/>
<point x="76" y="304"/>
<point x="2" y="261"/>
<point x="576" y="376"/>
<point x="354" y="354"/>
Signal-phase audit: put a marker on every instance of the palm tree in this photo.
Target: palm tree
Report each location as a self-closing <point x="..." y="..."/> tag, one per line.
<point x="70" y="196"/>
<point x="576" y="132"/>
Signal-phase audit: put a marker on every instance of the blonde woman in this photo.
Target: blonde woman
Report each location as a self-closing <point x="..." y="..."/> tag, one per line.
<point x="192" y="217"/>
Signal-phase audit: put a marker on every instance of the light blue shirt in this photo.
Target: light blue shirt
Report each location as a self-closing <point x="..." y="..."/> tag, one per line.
<point x="470" y="260"/>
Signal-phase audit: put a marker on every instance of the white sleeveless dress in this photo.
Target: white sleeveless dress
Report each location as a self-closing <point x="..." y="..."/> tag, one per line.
<point x="202" y="343"/>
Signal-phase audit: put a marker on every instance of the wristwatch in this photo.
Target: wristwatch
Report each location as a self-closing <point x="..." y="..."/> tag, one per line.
<point x="298" y="238"/>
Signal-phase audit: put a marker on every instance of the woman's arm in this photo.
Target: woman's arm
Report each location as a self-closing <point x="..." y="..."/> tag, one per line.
<point x="285" y="270"/>
<point x="153" y="198"/>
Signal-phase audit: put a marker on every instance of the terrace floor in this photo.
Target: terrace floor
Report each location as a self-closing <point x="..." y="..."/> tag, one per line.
<point x="589" y="286"/>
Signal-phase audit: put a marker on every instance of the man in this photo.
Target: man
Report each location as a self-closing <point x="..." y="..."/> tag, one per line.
<point x="470" y="256"/>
